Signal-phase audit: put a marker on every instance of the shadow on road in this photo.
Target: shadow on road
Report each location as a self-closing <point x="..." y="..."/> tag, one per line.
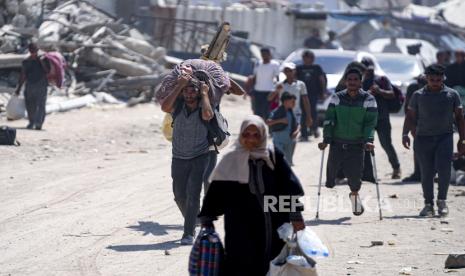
<point x="154" y="228"/>
<point x="339" y="221"/>
<point x="406" y="217"/>
<point x="400" y="183"/>
<point x="168" y="245"/>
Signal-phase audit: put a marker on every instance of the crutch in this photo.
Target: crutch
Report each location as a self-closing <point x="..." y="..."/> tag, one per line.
<point x="319" y="184"/>
<point x="375" y="172"/>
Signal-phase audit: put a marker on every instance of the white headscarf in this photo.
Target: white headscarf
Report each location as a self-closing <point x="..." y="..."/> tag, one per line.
<point x="234" y="166"/>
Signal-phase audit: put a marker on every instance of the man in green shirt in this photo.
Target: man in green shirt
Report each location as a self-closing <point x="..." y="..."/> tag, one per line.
<point x="349" y="130"/>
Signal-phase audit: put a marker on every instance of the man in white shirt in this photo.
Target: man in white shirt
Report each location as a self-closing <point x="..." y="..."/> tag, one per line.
<point x="295" y="87"/>
<point x="265" y="74"/>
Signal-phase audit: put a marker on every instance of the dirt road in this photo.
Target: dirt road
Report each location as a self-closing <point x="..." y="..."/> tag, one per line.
<point x="91" y="195"/>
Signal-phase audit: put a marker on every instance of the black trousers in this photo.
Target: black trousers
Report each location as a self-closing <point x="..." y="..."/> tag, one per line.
<point x="35" y="97"/>
<point x="434" y="154"/>
<point x="349" y="158"/>
<point x="260" y="104"/>
<point x="188" y="176"/>
<point x="416" y="166"/>
<point x="384" y="135"/>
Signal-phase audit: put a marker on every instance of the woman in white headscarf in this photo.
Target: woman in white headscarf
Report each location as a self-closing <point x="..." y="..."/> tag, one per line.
<point x="243" y="187"/>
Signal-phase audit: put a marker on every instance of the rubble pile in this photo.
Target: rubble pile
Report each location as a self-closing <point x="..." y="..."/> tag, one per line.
<point x="102" y="54"/>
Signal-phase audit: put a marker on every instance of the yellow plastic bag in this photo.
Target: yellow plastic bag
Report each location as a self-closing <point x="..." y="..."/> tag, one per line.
<point x="167" y="128"/>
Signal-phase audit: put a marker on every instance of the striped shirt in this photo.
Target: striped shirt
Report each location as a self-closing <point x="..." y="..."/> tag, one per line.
<point x="190" y="134"/>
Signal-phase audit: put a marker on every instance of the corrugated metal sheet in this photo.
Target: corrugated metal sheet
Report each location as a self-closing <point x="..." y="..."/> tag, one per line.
<point x="266" y="26"/>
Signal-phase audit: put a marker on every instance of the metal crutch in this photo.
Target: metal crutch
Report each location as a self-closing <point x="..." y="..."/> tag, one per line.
<point x="319" y="185"/>
<point x="375" y="172"/>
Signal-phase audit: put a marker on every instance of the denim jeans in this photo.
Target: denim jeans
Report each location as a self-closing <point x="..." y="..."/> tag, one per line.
<point x="434" y="154"/>
<point x="188" y="176"/>
<point x="287" y="146"/>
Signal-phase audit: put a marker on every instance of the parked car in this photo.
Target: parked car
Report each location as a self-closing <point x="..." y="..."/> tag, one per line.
<point x="333" y="63"/>
<point x="399" y="68"/>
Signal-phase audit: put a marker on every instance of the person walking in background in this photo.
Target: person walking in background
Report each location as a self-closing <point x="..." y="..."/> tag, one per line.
<point x="455" y="74"/>
<point x="34" y="73"/>
<point x="265" y="74"/>
<point x="283" y="126"/>
<point x="341" y="85"/>
<point x="332" y="42"/>
<point x="315" y="80"/>
<point x="443" y="58"/>
<point x="314" y="41"/>
<point x="297" y="88"/>
<point x="419" y="83"/>
<point x="380" y="87"/>
<point x="431" y="115"/>
<point x="191" y="147"/>
<point x="247" y="174"/>
<point x="355" y="108"/>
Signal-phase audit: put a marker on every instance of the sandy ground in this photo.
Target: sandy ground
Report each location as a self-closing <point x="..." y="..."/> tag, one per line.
<point x="91" y="195"/>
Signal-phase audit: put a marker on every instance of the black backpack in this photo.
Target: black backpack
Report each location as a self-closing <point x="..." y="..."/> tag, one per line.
<point x="218" y="130"/>
<point x="394" y="105"/>
<point x="8" y="136"/>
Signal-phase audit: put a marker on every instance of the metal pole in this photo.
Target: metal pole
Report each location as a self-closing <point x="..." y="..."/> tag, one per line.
<point x="319" y="185"/>
<point x="375" y="172"/>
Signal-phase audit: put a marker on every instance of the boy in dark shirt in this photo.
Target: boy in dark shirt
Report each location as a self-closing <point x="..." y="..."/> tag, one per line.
<point x="283" y="126"/>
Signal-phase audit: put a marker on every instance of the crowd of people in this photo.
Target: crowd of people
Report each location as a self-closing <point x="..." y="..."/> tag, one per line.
<point x="285" y="111"/>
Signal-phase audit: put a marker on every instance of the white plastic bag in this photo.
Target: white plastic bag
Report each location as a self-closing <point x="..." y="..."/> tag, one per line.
<point x="285" y="232"/>
<point x="292" y="262"/>
<point x="310" y="244"/>
<point x="16" y="108"/>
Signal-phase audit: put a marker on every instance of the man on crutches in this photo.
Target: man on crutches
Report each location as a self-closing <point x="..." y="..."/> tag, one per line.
<point x="349" y="130"/>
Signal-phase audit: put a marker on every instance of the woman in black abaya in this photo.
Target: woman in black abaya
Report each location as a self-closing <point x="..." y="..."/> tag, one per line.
<point x="246" y="177"/>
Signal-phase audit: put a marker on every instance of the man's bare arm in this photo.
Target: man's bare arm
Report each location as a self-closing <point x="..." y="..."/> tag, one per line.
<point x="168" y="103"/>
<point x="207" y="111"/>
<point x="236" y="89"/>
<point x="308" y="111"/>
<point x="409" y="126"/>
<point x="409" y="123"/>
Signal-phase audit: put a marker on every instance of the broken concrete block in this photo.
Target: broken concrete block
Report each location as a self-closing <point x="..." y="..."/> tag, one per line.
<point x="455" y="261"/>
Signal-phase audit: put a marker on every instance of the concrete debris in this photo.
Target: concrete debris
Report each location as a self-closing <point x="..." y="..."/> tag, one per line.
<point x="102" y="54"/>
<point x="455" y="261"/>
<point x="406" y="271"/>
<point x="355" y="262"/>
<point x="377" y="243"/>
